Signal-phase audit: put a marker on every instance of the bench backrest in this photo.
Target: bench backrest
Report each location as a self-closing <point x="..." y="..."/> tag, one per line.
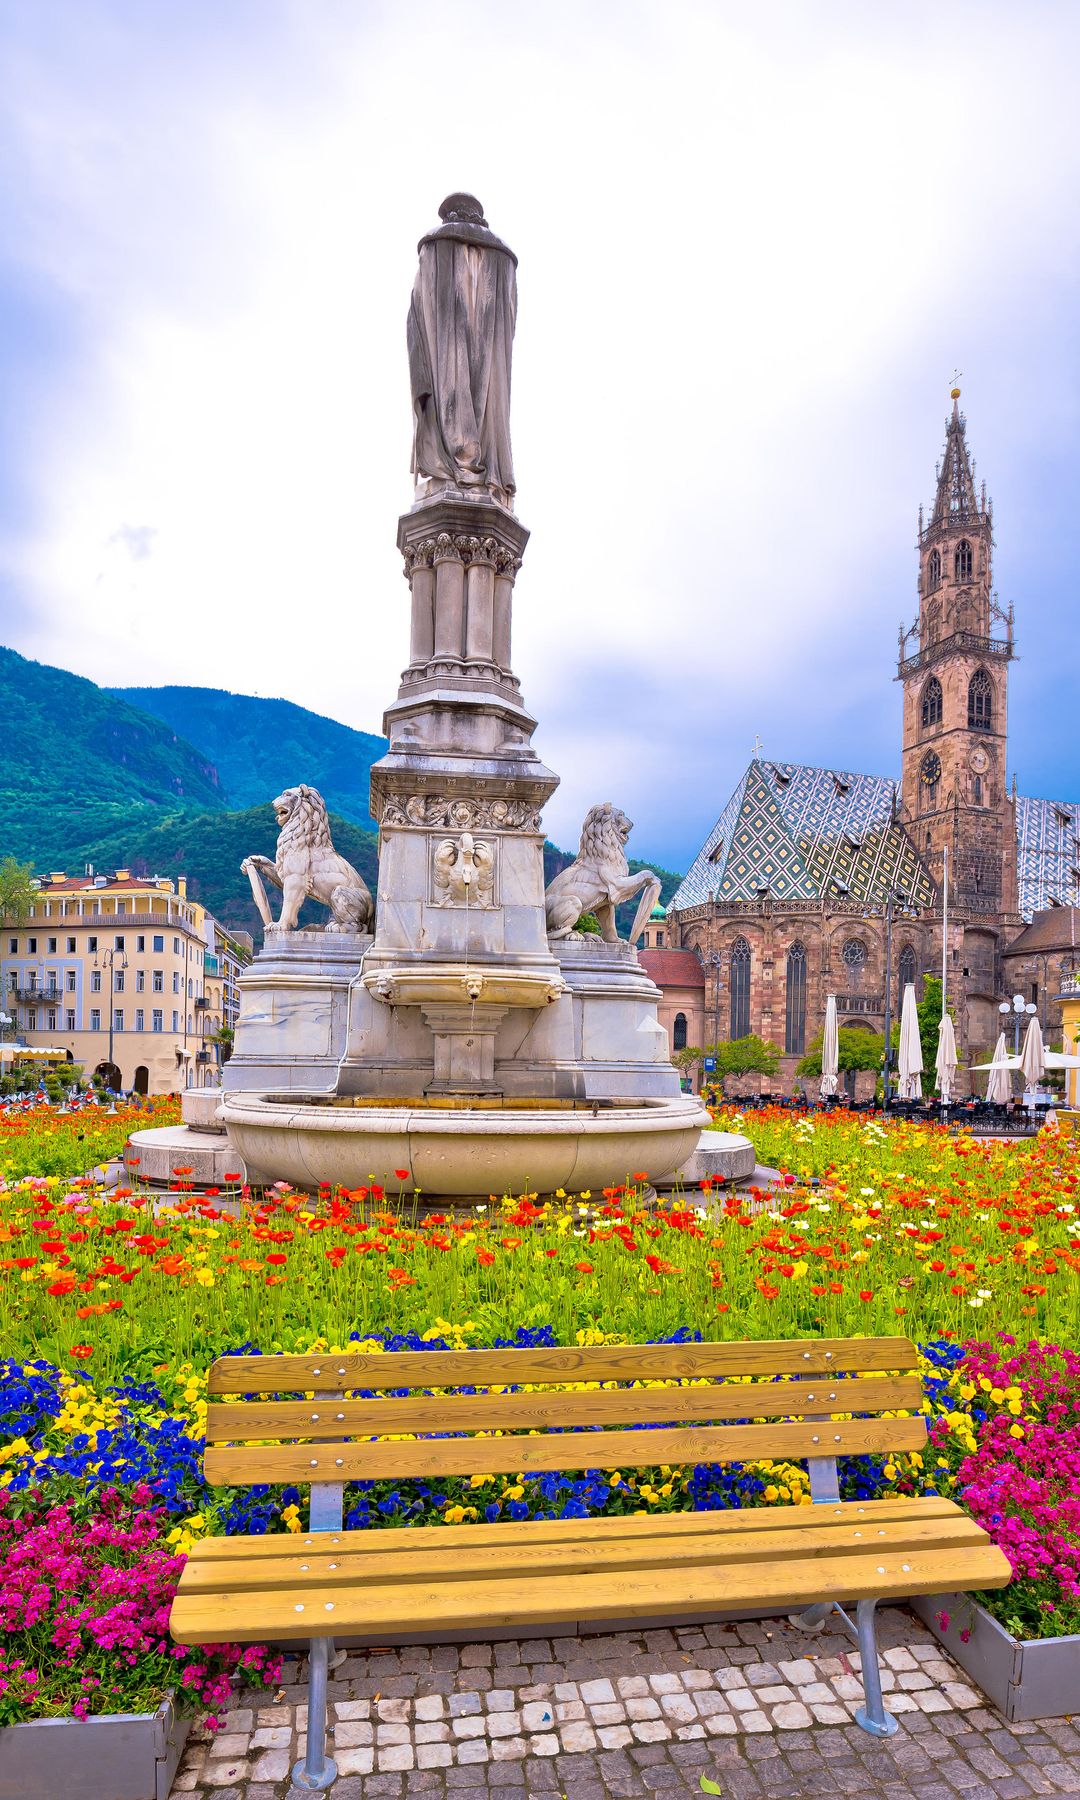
<point x="784" y="1400"/>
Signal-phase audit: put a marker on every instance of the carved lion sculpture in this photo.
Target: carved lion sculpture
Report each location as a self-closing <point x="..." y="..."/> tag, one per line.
<point x="600" y="880"/>
<point x="308" y="867"/>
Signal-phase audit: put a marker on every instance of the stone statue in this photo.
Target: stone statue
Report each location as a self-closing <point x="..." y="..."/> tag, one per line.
<point x="308" y="867"/>
<point x="463" y="872"/>
<point x="460" y="337"/>
<point x="600" y="879"/>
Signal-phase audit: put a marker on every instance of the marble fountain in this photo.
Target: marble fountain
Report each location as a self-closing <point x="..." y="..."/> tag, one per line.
<point x="460" y="1027"/>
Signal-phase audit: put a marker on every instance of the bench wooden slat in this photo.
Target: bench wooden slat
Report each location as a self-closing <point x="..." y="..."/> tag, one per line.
<point x="557" y="1531"/>
<point x="400" y="1607"/>
<point x="551" y="1409"/>
<point x="321" y="1571"/>
<point x="601" y="1362"/>
<point x="433" y="1457"/>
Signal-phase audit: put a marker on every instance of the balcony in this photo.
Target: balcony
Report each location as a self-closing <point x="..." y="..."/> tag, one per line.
<point x="35" y="995"/>
<point x="961" y="643"/>
<point x="1070" y="988"/>
<point x="201" y="1003"/>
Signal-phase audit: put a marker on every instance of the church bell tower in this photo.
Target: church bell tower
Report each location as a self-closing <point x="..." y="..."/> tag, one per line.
<point x="955" y="684"/>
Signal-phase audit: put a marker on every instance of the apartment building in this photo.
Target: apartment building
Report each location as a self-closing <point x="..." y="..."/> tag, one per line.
<point x="112" y="969"/>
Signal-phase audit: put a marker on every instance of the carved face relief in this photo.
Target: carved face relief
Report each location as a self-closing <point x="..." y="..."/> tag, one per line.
<point x="463" y="872"/>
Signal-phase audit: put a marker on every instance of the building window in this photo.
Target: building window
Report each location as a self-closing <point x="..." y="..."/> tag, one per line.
<point x="72" y="946"/>
<point x="118" y="981"/>
<point x="52" y="1018"/>
<point x="740" y="988"/>
<point x="159" y="981"/>
<point x="978" y="790"/>
<point x="118" y="1018"/>
<point x="795" y="1024"/>
<point x="931" y="703"/>
<point x="95" y="1018"/>
<point x="190" y="988"/>
<point x="176" y="981"/>
<point x="50" y="946"/>
<point x="159" y="941"/>
<point x="31" y="946"/>
<point x="980" y="702"/>
<point x="91" y="945"/>
<point x="929" y="782"/>
<point x="118" y="943"/>
<point x="140" y="1019"/>
<point x="13" y="946"/>
<point x="95" y="981"/>
<point x="156" y="1019"/>
<point x="175" y="1020"/>
<point x="71" y="981"/>
<point x="854" y="956"/>
<point x="963" y="560"/>
<point x="70" y="1019"/>
<point x="933" y="571"/>
<point x="140" y="980"/>
<point x="1035" y="993"/>
<point x="678" y="1032"/>
<point x="176" y="946"/>
<point x="140" y="945"/>
<point x="31" y="1019"/>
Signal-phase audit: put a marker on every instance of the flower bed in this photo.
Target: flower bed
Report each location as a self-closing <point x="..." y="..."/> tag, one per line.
<point x="110" y="1314"/>
<point x="42" y="1140"/>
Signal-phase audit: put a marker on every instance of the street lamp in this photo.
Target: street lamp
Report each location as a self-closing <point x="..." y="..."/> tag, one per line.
<point x="1016" y="1009"/>
<point x="108" y="957"/>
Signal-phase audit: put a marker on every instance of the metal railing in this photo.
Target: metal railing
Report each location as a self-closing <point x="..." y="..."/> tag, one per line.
<point x="961" y="643"/>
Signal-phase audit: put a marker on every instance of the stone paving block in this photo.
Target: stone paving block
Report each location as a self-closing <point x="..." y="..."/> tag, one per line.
<point x="348" y="1733"/>
<point x="432" y="1756"/>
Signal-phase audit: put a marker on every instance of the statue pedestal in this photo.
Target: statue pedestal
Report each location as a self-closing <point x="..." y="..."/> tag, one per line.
<point x="294" y="1011"/>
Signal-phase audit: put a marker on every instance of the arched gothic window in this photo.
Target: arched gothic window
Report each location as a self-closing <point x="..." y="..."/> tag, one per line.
<point x="978" y="790"/>
<point x="963" y="560"/>
<point x="931" y="703"/>
<point x="740" y="988"/>
<point x="909" y="968"/>
<point x="795" y="1026"/>
<point x="678" y="1032"/>
<point x="980" y="702"/>
<point x="854" y="957"/>
<point x="933" y="571"/>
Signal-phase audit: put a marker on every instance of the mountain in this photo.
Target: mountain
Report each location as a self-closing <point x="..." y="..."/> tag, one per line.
<point x="261" y="746"/>
<point x="77" y="762"/>
<point x="209" y="847"/>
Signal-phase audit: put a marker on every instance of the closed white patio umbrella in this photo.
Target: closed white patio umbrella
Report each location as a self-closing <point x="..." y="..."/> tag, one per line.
<point x="909" y="1066"/>
<point x="946" y="1061"/>
<point x="830" y="1050"/>
<point x="999" y="1085"/>
<point x="1032" y="1056"/>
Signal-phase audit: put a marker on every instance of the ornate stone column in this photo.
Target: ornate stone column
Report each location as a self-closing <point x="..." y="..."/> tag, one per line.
<point x="506" y="567"/>
<point x="449" y="596"/>
<point x="420" y="574"/>
<point x="480" y="599"/>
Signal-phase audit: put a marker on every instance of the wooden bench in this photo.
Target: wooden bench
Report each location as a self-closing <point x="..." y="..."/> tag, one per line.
<point x="820" y="1400"/>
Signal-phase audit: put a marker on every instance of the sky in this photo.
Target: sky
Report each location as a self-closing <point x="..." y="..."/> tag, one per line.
<point x="754" y="240"/>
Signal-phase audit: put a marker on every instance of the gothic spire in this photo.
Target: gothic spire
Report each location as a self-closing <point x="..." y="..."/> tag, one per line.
<point x="956" y="499"/>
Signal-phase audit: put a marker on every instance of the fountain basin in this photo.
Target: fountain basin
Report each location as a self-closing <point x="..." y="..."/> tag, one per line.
<point x="492" y="1146"/>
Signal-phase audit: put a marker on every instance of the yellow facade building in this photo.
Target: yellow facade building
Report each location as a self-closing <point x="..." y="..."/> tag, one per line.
<point x="126" y="975"/>
<point x="1069" y="1001"/>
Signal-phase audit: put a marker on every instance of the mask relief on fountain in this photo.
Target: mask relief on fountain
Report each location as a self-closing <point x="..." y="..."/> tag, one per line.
<point x="463" y="872"/>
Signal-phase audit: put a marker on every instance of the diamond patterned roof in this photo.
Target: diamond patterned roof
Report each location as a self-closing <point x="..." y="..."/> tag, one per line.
<point x="1048" y="854"/>
<point x="806" y="834"/>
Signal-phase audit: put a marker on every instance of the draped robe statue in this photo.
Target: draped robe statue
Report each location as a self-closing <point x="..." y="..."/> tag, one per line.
<point x="460" y="337"/>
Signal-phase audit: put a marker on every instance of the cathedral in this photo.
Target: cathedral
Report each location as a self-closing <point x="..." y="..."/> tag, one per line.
<point x="817" y="881"/>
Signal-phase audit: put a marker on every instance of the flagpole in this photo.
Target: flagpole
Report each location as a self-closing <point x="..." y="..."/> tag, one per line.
<point x="944" y="943"/>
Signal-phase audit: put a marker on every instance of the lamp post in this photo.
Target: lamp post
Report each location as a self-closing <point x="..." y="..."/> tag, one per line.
<point x="108" y="957"/>
<point x="1016" y="1008"/>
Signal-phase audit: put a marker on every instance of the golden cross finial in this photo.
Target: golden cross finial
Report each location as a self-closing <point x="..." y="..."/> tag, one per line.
<point x="954" y="391"/>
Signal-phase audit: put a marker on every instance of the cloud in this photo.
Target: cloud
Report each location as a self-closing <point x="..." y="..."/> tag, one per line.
<point x="754" y="242"/>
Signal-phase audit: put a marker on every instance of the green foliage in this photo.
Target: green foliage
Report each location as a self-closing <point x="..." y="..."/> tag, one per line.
<point x="858" y="1050"/>
<point x="687" y="1058"/>
<point x="17" y="890"/>
<point x="261" y="746"/>
<point x="743" y="1056"/>
<point x="77" y="762"/>
<point x="589" y="924"/>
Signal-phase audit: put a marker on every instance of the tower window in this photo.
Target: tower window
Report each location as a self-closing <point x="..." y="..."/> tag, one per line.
<point x="933" y="571"/>
<point x="795" y="1027"/>
<point x="908" y="967"/>
<point x="931" y="703"/>
<point x="930" y="781"/>
<point x="963" y="560"/>
<point x="980" y="702"/>
<point x="740" y="988"/>
<point x="678" y="1032"/>
<point x="978" y="790"/>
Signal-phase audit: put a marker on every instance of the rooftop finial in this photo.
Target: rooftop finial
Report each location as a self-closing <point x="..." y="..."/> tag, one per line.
<point x="954" y="391"/>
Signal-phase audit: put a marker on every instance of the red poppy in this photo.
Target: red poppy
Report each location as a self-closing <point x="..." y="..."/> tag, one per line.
<point x="584" y="1268"/>
<point x="485" y="1257"/>
<point x="402" y="1174"/>
<point x="277" y="1258"/>
<point x="865" y="1294"/>
<point x="230" y="1174"/>
<point x="82" y="1351"/>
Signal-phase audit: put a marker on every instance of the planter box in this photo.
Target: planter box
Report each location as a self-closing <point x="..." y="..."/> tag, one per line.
<point x="119" y="1756"/>
<point x="1039" y="1680"/>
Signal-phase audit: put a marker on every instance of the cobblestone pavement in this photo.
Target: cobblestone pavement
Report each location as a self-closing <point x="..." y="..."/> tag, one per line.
<point x="759" y="1708"/>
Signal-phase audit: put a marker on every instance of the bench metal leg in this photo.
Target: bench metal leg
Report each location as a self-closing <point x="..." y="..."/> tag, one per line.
<point x="317" y="1769"/>
<point x="813" y="1618"/>
<point x="872" y="1717"/>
